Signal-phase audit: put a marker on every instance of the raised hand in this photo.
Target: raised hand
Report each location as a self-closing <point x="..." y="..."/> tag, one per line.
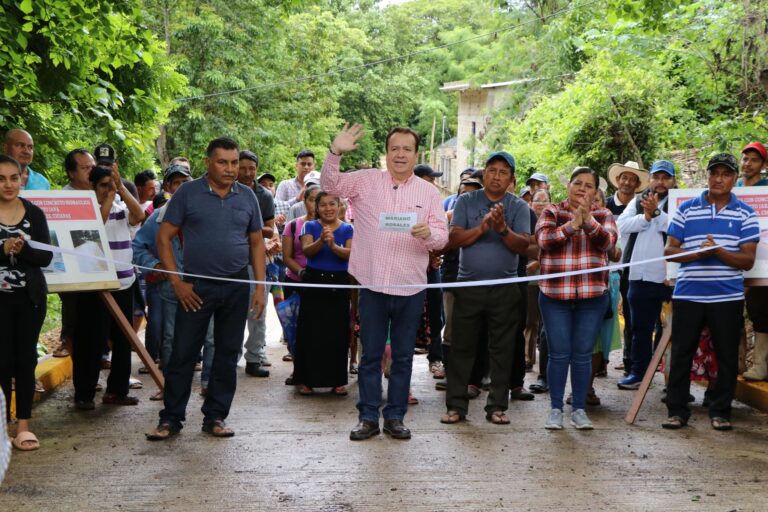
<point x="347" y="138"/>
<point x="649" y="204"/>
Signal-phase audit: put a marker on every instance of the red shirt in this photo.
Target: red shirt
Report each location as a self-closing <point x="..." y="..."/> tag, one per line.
<point x="564" y="249"/>
<point x="384" y="257"/>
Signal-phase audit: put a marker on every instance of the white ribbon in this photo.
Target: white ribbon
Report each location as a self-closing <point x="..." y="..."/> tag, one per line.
<point x="458" y="284"/>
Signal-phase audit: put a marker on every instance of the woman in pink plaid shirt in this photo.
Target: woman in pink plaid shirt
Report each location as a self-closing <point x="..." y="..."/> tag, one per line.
<point x="573" y="235"/>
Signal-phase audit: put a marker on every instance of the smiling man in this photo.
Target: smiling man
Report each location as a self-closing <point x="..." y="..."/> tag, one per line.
<point x="709" y="291"/>
<point x="645" y="220"/>
<point x="384" y="254"/>
<point x="222" y="229"/>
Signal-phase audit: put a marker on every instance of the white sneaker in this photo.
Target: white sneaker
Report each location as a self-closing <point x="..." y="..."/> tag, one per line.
<point x="555" y="420"/>
<point x="580" y="420"/>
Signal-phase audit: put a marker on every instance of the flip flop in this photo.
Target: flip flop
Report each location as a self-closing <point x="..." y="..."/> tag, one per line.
<point x="452" y="417"/>
<point x="218" y="428"/>
<point x="497" y="418"/>
<point x="719" y="423"/>
<point x="26" y="442"/>
<point x="306" y="390"/>
<point x="162" y="432"/>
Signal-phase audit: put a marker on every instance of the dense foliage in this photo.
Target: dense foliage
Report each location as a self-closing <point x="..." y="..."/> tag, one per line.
<point x="619" y="79"/>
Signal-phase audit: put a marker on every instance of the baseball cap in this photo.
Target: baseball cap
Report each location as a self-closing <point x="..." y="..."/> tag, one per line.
<point x="250" y="155"/>
<point x="175" y="169"/>
<point x="104" y="154"/>
<point x="478" y="174"/>
<point x="312" y="178"/>
<point x="525" y="190"/>
<point x="422" y="170"/>
<point x="725" y="159"/>
<point x="266" y="175"/>
<point x="471" y="181"/>
<point x="757" y="147"/>
<point x="663" y="166"/>
<point x="503" y="155"/>
<point x="467" y="172"/>
<point x="537" y="176"/>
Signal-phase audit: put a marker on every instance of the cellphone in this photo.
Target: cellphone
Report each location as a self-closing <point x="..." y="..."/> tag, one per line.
<point x="647" y="193"/>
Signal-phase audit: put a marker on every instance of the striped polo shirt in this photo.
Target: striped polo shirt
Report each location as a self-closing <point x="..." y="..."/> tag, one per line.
<point x="119" y="236"/>
<point x="709" y="279"/>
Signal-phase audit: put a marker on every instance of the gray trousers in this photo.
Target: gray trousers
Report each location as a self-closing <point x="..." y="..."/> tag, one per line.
<point x="498" y="308"/>
<point x="255" y="343"/>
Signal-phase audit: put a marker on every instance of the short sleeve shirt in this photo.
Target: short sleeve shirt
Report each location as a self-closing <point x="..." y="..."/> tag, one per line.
<point x="709" y="279"/>
<point x="488" y="257"/>
<point x="216" y="230"/>
<point x="326" y="259"/>
<point x="266" y="202"/>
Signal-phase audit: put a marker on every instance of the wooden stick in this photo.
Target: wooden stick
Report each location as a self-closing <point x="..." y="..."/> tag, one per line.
<point x="637" y="401"/>
<point x="133" y="339"/>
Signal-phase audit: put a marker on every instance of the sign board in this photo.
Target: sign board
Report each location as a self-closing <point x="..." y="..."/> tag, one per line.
<point x="75" y="224"/>
<point x="757" y="198"/>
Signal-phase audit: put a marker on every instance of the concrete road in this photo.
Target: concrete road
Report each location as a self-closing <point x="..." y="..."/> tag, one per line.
<point x="293" y="453"/>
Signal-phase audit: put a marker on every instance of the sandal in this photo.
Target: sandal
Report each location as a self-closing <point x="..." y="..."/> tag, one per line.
<point x="340" y="391"/>
<point x="720" y="423"/>
<point x="412" y="400"/>
<point x="452" y="417"/>
<point x="497" y="418"/>
<point x="218" y="428"/>
<point x="163" y="431"/>
<point x="306" y="390"/>
<point x="157" y="396"/>
<point x="113" y="399"/>
<point x="287" y="358"/>
<point x="26" y="442"/>
<point x="353" y="369"/>
<point x="289" y="380"/>
<point x="674" y="423"/>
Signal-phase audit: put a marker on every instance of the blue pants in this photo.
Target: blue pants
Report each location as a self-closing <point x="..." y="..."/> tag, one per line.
<point x="227" y="304"/>
<point x="399" y="316"/>
<point x="572" y="327"/>
<point x="435" y="317"/>
<point x="153" y="335"/>
<point x="645" y="300"/>
<point x="166" y="346"/>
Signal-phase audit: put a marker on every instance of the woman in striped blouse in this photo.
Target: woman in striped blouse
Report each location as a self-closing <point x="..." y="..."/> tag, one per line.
<point x="573" y="236"/>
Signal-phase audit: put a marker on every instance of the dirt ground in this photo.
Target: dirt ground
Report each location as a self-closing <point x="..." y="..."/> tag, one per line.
<point x="293" y="453"/>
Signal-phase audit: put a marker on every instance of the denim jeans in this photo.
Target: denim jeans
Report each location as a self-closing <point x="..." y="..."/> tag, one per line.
<point x="154" y="333"/>
<point x="572" y="327"/>
<point x="645" y="300"/>
<point x="435" y="316"/>
<point x="255" y="343"/>
<point x="169" y="324"/>
<point x="227" y="304"/>
<point x="398" y="316"/>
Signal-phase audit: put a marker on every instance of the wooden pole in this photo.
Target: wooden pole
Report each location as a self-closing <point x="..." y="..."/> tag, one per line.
<point x="637" y="402"/>
<point x="133" y="339"/>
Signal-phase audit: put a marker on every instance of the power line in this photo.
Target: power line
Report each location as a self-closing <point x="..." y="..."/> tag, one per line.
<point x="388" y="59"/>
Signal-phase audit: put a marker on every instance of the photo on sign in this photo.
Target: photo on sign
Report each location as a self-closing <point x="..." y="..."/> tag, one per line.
<point x="88" y="243"/>
<point x="57" y="263"/>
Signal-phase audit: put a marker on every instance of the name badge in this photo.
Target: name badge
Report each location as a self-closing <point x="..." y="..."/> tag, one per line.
<point x="397" y="222"/>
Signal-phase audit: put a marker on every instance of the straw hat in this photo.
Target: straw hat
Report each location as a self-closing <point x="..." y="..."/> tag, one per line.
<point x="616" y="170"/>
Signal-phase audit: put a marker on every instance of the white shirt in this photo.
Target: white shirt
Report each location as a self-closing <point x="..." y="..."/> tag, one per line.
<point x="649" y="242"/>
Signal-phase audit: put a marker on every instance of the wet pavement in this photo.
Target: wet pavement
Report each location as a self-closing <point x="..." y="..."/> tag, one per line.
<point x="293" y="453"/>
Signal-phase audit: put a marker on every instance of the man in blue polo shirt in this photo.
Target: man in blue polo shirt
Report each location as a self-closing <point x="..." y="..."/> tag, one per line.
<point x="220" y="224"/>
<point x="709" y="291"/>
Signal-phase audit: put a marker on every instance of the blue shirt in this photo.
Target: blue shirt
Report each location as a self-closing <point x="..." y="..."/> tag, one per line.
<point x="709" y="279"/>
<point x="214" y="230"/>
<point x="326" y="259"/>
<point x="488" y="257"/>
<point x="36" y="181"/>
<point x="449" y="202"/>
<point x="762" y="183"/>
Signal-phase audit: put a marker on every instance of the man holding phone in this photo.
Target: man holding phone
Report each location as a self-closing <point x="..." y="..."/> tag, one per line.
<point x="645" y="221"/>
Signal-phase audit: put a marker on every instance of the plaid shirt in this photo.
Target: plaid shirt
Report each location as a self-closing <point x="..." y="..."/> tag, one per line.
<point x="564" y="249"/>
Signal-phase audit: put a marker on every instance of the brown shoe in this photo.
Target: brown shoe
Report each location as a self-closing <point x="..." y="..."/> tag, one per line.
<point x="113" y="399"/>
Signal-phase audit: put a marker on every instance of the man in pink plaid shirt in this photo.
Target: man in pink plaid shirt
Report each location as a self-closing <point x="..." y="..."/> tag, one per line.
<point x="399" y="218"/>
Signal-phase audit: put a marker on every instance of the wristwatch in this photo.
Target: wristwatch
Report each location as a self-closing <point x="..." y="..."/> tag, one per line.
<point x="656" y="213"/>
<point x="505" y="232"/>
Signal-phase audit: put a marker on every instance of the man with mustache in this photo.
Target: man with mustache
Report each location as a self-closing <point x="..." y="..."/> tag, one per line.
<point x="645" y="221"/>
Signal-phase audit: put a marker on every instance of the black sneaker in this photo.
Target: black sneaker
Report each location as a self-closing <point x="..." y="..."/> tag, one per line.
<point x="396" y="429"/>
<point x="255" y="370"/>
<point x="365" y="430"/>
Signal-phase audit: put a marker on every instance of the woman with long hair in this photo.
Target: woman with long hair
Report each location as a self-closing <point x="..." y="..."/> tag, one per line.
<point x="322" y="335"/>
<point x="22" y="296"/>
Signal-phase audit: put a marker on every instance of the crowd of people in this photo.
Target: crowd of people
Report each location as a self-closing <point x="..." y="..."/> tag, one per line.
<point x="392" y="233"/>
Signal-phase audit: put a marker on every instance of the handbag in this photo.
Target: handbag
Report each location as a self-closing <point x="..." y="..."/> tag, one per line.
<point x="288" y="313"/>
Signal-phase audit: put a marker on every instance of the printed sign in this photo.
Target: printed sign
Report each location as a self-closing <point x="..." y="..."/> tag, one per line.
<point x="74" y="222"/>
<point x="397" y="222"/>
<point x="757" y="198"/>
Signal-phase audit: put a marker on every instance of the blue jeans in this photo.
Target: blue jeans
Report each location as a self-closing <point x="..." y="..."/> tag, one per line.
<point x="398" y="316"/>
<point x="256" y="342"/>
<point x="435" y="316"/>
<point x="154" y="333"/>
<point x="645" y="300"/>
<point x="572" y="327"/>
<point x="227" y="304"/>
<point x="169" y="325"/>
